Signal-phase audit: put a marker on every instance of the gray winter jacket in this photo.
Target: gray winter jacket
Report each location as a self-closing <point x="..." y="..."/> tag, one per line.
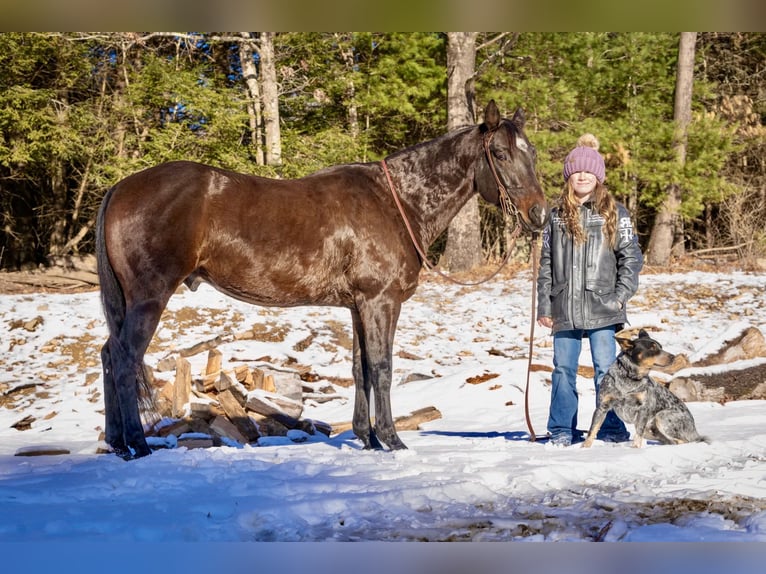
<point x="587" y="286"/>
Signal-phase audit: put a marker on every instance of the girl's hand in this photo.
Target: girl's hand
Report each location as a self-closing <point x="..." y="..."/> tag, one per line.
<point x="545" y="322"/>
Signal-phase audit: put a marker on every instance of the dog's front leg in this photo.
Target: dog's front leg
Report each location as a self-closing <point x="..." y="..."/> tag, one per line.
<point x="598" y="419"/>
<point x="641" y="422"/>
<point x="642" y="419"/>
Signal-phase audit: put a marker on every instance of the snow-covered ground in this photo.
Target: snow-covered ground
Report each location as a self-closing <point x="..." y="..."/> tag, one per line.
<point x="471" y="475"/>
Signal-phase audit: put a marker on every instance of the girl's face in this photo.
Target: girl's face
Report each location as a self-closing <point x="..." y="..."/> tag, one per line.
<point x="583" y="184"/>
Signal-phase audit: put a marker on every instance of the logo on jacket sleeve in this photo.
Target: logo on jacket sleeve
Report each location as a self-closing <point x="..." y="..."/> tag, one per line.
<point x="625" y="228"/>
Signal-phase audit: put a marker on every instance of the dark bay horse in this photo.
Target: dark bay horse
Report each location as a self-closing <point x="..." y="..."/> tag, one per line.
<point x="335" y="237"/>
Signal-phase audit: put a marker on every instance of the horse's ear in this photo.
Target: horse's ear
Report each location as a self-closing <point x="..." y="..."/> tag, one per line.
<point x="519" y="119"/>
<point x="491" y="115"/>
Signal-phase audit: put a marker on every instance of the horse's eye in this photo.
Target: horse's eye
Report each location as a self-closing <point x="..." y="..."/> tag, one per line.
<point x="501" y="155"/>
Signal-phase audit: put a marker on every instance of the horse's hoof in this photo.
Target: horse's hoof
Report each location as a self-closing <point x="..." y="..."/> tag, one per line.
<point x="373" y="444"/>
<point x="131" y="453"/>
<point x="142" y="451"/>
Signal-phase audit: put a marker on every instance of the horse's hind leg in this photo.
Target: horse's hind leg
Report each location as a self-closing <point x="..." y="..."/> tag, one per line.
<point x="127" y="359"/>
<point x="361" y="420"/>
<point x="113" y="432"/>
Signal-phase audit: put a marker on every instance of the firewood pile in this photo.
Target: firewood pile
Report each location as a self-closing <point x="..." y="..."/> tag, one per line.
<point x="242" y="405"/>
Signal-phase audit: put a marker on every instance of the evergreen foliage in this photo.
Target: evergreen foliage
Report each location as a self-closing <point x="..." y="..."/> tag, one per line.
<point x="80" y="111"/>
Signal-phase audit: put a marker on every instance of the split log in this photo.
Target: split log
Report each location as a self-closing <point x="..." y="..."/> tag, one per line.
<point x="270" y="404"/>
<point x="416" y="418"/>
<point x="204" y="408"/>
<point x="223" y="427"/>
<point x="257" y="375"/>
<point x="225" y="381"/>
<point x="181" y="387"/>
<point x="268" y="384"/>
<point x="245" y="376"/>
<point x="411" y="421"/>
<point x="212" y="372"/>
<point x="196" y="442"/>
<point x="238" y="416"/>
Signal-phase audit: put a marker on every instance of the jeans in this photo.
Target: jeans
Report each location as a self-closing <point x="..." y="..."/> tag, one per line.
<point x="562" y="418"/>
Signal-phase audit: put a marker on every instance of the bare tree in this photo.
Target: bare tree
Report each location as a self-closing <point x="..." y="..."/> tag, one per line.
<point x="247" y="51"/>
<point x="463" y="249"/>
<point x="270" y="92"/>
<point x="347" y="55"/>
<point x="667" y="234"/>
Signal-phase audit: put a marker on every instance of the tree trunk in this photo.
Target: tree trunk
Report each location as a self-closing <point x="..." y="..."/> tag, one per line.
<point x="270" y="93"/>
<point x="463" y="249"/>
<point x="250" y="77"/>
<point x="667" y="234"/>
<point x="58" y="188"/>
<point x="347" y="54"/>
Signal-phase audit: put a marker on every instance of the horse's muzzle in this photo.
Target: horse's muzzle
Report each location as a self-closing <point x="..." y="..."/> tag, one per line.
<point x="538" y="216"/>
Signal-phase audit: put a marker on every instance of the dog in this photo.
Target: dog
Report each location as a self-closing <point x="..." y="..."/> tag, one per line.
<point x="629" y="391"/>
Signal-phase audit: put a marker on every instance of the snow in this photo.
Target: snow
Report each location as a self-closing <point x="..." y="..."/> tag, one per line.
<point x="470" y="475"/>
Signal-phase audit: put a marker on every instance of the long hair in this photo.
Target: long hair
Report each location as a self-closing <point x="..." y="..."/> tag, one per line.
<point x="603" y="203"/>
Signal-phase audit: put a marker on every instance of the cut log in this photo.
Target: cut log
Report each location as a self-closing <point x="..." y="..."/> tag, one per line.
<point x="238" y="416"/>
<point x="214" y="360"/>
<point x="245" y="376"/>
<point x="225" y="381"/>
<point x="416" y="418"/>
<point x="212" y="370"/>
<point x="733" y="383"/>
<point x="204" y="408"/>
<point x="257" y="379"/>
<point x="223" y="427"/>
<point x="191" y="443"/>
<point x="42" y="450"/>
<point x="749" y="344"/>
<point x="271" y="404"/>
<point x="181" y="387"/>
<point x="268" y="384"/>
<point x="411" y="421"/>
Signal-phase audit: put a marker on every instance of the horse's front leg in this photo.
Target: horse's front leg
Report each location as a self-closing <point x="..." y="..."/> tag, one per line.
<point x="361" y="420"/>
<point x="379" y="319"/>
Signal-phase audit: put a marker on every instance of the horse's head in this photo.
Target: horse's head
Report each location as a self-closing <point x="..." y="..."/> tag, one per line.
<point x="508" y="164"/>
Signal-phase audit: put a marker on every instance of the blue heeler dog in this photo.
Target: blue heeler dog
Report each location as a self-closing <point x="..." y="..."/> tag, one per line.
<point x="629" y="391"/>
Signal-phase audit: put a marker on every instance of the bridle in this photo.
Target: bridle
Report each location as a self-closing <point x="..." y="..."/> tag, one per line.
<point x="506" y="205"/>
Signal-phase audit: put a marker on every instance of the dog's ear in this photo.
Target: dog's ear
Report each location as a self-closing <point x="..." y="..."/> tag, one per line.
<point x="642" y="334"/>
<point x="625" y="342"/>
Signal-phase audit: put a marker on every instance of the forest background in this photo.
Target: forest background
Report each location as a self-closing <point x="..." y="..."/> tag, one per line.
<point x="80" y="111"/>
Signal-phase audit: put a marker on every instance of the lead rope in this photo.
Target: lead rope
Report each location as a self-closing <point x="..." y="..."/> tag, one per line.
<point x="508" y="208"/>
<point x="535" y="255"/>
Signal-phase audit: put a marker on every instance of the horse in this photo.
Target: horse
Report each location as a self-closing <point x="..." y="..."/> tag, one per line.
<point x="343" y="236"/>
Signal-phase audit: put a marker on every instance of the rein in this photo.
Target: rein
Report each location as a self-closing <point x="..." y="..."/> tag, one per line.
<point x="510" y="210"/>
<point x="505" y="203"/>
<point x="535" y="256"/>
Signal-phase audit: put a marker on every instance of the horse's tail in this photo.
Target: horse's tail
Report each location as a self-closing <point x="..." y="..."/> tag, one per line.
<point x="113" y="304"/>
<point x="112" y="297"/>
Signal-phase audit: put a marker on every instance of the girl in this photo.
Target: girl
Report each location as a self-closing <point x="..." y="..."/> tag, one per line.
<point x="589" y="266"/>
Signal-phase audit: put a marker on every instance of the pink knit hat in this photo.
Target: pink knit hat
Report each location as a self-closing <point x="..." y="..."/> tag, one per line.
<point x="585" y="157"/>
